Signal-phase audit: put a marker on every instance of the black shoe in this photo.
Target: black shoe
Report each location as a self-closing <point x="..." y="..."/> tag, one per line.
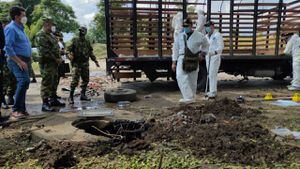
<point x="57" y="103"/>
<point x="47" y="108"/>
<point x="33" y="81"/>
<point x="71" y="100"/>
<point x="10" y="101"/>
<point x="84" y="98"/>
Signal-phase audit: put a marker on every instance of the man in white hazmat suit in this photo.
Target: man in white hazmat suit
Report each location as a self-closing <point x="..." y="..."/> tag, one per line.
<point x="198" y="45"/>
<point x="293" y="48"/>
<point x="177" y="24"/>
<point x="213" y="57"/>
<point x="201" y="21"/>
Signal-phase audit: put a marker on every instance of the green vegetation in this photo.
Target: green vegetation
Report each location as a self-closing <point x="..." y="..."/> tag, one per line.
<point x="153" y="159"/>
<point x="99" y="50"/>
<point x="63" y="15"/>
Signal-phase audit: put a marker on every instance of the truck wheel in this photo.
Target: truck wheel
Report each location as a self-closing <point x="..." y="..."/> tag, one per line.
<point x="116" y="95"/>
<point x="202" y="76"/>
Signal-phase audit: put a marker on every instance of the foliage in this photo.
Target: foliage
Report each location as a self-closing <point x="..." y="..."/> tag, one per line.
<point x="4" y="9"/>
<point x="29" y="6"/>
<point x="63" y="15"/>
<point x="99" y="50"/>
<point x="97" y="30"/>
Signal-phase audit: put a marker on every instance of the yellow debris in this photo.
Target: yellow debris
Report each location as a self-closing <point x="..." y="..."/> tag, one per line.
<point x="268" y="96"/>
<point x="296" y="97"/>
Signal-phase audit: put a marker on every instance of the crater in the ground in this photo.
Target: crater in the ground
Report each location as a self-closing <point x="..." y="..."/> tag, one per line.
<point x="123" y="130"/>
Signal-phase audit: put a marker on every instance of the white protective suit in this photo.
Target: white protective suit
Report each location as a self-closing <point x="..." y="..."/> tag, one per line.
<point x="201" y="21"/>
<point x="187" y="82"/>
<point x="293" y="48"/>
<point x="177" y="24"/>
<point x="213" y="61"/>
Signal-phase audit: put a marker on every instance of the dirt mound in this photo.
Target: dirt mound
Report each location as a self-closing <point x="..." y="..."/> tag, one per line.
<point x="231" y="133"/>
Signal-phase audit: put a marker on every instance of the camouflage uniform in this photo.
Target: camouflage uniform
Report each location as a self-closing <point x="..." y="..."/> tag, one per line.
<point x="82" y="51"/>
<point x="49" y="52"/>
<point x="9" y="84"/>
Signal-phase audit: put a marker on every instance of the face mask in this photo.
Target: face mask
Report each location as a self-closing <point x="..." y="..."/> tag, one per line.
<point x="208" y="29"/>
<point x="53" y="29"/>
<point x="24" y="20"/>
<point x="82" y="33"/>
<point x="187" y="30"/>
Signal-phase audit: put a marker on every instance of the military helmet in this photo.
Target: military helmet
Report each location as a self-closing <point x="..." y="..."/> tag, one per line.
<point x="47" y="19"/>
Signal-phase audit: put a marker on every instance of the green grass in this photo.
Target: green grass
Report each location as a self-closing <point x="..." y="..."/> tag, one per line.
<point x="99" y="50"/>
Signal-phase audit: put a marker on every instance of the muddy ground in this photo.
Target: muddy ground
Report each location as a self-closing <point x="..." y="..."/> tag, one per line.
<point x="207" y="134"/>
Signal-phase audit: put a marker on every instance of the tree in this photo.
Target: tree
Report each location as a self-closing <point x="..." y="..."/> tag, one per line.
<point x="63" y="15"/>
<point x="97" y="31"/>
<point x="4" y="9"/>
<point x="29" y="6"/>
<point x="98" y="28"/>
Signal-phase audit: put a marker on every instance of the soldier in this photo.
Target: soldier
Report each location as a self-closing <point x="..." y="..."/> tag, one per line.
<point x="10" y="82"/>
<point x="50" y="59"/>
<point x="80" y="52"/>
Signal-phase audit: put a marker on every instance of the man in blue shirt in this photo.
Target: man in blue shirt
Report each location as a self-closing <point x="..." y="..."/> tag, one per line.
<point x="18" y="52"/>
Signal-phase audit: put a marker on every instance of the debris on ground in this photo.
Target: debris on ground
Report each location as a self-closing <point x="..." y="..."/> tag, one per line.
<point x="286" y="133"/>
<point x="221" y="130"/>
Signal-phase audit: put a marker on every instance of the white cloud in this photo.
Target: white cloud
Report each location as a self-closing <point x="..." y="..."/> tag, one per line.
<point x="85" y="10"/>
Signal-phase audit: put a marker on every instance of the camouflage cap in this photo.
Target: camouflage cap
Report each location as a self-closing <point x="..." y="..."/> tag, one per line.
<point x="48" y="20"/>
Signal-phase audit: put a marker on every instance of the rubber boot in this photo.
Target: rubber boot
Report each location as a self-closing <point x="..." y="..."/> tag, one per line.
<point x="55" y="102"/>
<point x="46" y="106"/>
<point x="71" y="97"/>
<point x="83" y="97"/>
<point x="10" y="100"/>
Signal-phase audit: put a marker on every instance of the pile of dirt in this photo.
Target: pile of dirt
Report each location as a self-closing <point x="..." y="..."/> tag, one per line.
<point x="221" y="130"/>
<point x="22" y="146"/>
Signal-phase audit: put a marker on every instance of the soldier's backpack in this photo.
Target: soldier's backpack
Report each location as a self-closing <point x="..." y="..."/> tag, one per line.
<point x="191" y="60"/>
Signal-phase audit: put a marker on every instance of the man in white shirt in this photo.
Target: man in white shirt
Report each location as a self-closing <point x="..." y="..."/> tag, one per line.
<point x="197" y="44"/>
<point x="213" y="57"/>
<point x="293" y="48"/>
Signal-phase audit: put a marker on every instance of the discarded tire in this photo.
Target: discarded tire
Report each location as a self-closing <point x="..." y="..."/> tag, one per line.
<point x="116" y="95"/>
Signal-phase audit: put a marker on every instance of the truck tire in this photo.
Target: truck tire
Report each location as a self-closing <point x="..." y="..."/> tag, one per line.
<point x="116" y="95"/>
<point x="202" y="76"/>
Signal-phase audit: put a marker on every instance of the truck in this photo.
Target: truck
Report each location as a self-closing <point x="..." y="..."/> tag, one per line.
<point x="139" y="36"/>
